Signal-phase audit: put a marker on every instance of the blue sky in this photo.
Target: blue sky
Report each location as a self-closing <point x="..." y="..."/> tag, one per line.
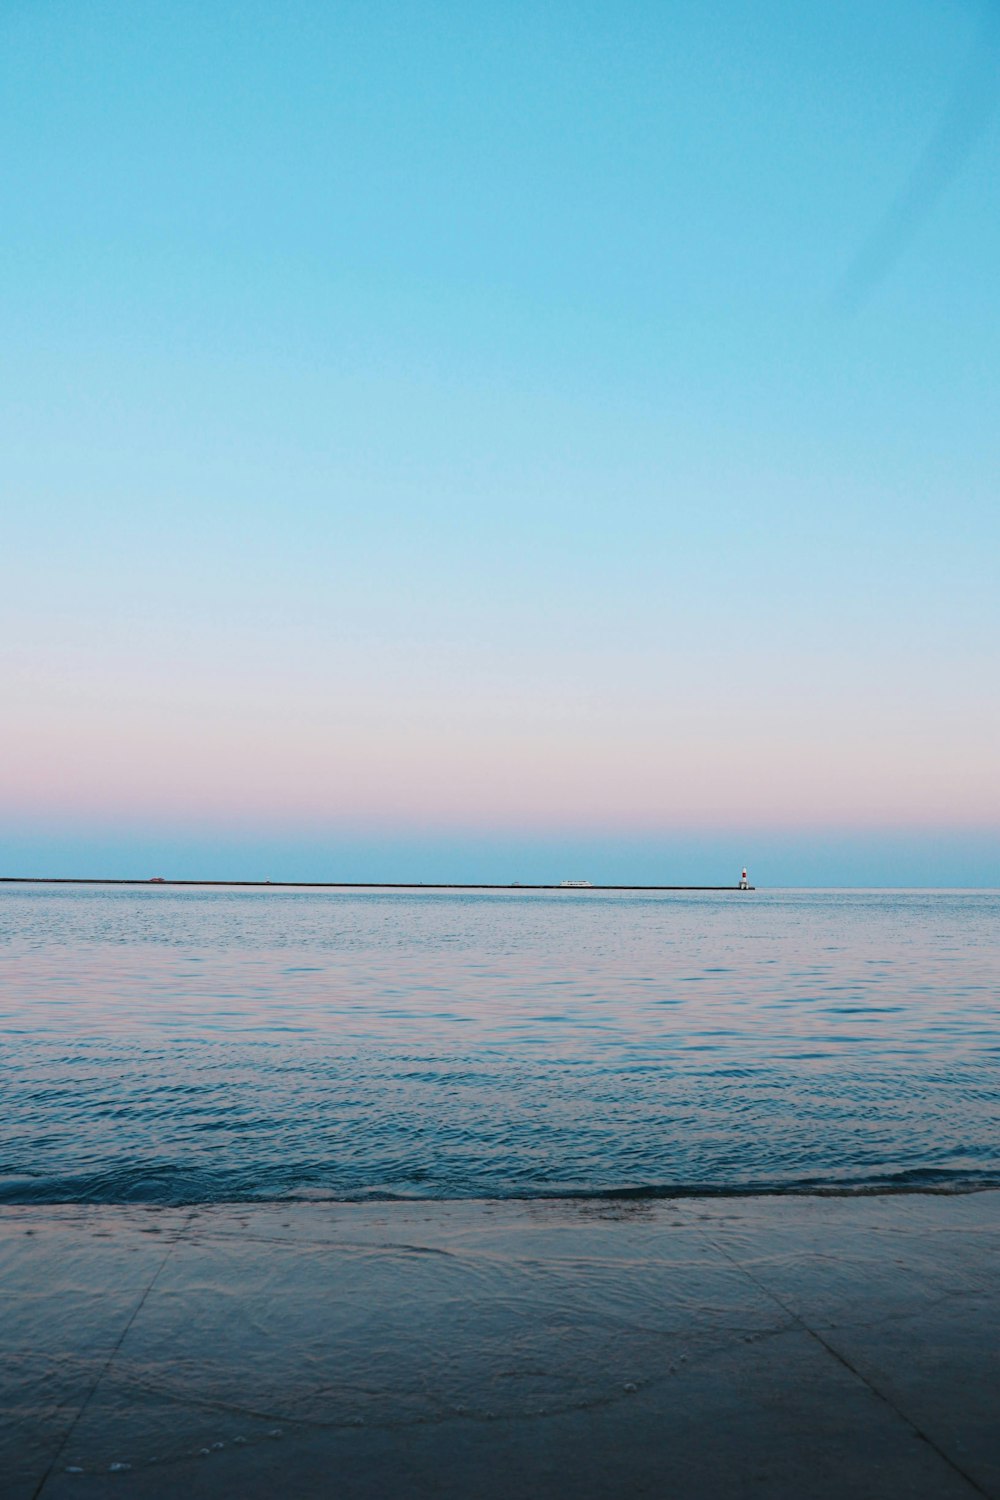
<point x="437" y="431"/>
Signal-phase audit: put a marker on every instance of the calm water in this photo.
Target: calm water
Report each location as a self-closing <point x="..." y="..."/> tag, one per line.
<point x="189" y="1046"/>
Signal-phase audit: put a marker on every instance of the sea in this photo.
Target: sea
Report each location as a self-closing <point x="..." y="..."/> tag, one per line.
<point x="196" y="1045"/>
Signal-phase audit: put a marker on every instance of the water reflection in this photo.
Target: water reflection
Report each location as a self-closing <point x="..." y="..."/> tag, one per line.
<point x="175" y="1046"/>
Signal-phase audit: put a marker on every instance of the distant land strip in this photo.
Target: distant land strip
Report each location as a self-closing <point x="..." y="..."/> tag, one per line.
<point x="356" y="885"/>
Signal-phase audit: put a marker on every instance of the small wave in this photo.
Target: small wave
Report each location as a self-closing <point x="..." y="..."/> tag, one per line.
<point x="178" y="1188"/>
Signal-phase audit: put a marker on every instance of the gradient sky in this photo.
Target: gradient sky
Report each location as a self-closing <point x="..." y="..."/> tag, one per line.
<point x="485" y="441"/>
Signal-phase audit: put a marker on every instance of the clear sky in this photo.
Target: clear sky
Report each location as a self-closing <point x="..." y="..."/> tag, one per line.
<point x="501" y="441"/>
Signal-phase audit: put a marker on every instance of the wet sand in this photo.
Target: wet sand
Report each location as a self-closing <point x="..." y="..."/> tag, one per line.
<point x="774" y="1347"/>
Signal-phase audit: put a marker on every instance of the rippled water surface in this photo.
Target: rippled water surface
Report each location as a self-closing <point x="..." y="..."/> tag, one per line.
<point x="166" y="1045"/>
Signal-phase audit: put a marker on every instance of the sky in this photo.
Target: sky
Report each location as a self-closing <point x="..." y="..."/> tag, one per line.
<point x="501" y="442"/>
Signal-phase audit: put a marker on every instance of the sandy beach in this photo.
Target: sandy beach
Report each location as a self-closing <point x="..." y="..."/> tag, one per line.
<point x="751" y="1346"/>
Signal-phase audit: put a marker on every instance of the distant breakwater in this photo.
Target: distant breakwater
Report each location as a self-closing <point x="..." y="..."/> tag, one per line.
<point x="355" y="885"/>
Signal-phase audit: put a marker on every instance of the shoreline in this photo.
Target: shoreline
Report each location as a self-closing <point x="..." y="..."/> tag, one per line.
<point x="320" y="1198"/>
<point x="588" y="1348"/>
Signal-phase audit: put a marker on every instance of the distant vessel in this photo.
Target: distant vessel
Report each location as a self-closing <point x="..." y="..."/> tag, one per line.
<point x="575" y="885"/>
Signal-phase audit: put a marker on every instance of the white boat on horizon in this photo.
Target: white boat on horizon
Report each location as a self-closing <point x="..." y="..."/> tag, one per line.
<point x="576" y="885"/>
